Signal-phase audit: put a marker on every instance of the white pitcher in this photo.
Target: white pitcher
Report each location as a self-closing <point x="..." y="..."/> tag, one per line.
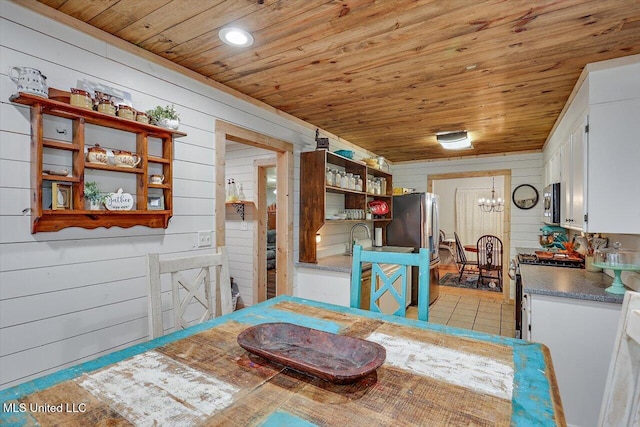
<point x="29" y="80"/>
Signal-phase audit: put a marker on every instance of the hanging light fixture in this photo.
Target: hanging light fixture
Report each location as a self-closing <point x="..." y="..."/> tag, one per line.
<point x="493" y="204"/>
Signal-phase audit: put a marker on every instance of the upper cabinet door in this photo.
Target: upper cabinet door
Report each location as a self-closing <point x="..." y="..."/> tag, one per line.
<point x="578" y="161"/>
<point x="566" y="189"/>
<point x="613" y="171"/>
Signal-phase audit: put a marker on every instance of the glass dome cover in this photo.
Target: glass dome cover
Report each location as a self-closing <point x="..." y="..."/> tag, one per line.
<point x="618" y="260"/>
<point x="617" y="257"/>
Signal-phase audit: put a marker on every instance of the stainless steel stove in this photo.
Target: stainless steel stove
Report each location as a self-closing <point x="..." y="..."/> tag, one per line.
<point x="557" y="260"/>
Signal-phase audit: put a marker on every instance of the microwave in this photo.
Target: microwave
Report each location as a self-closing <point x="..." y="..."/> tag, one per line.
<point x="551" y="204"/>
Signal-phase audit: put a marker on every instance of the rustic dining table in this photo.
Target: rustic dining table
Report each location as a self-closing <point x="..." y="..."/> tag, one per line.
<point x="433" y="375"/>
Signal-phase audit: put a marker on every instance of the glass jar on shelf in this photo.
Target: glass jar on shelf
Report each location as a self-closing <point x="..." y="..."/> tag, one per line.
<point x="351" y="183"/>
<point x="383" y="186"/>
<point x="329" y="177"/>
<point x="344" y="180"/>
<point x="358" y="183"/>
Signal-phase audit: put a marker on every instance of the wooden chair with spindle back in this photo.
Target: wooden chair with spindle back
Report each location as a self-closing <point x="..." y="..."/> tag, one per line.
<point x="462" y="261"/>
<point x="490" y="262"/>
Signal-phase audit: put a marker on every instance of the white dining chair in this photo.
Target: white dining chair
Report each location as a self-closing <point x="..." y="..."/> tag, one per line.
<point x="191" y="283"/>
<point x="621" y="402"/>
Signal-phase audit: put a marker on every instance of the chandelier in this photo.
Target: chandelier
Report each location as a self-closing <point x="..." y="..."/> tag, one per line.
<point x="493" y="204"/>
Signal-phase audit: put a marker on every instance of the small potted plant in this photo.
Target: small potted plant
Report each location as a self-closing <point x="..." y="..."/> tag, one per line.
<point x="166" y="117"/>
<point x="93" y="194"/>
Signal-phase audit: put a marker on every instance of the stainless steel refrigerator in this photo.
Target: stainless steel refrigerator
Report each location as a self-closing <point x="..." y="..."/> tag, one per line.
<point x="415" y="224"/>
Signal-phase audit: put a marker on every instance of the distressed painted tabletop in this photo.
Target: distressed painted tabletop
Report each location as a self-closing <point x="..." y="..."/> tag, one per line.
<point x="433" y="375"/>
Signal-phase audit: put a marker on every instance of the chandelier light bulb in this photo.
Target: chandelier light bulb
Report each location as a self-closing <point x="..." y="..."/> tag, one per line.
<point x="492" y="204"/>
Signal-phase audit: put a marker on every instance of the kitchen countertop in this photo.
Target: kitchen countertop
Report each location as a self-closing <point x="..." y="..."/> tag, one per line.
<point x="565" y="282"/>
<point x="342" y="263"/>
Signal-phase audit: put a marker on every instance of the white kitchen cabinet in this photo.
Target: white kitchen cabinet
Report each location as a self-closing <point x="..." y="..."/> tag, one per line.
<point x="600" y="162"/>
<point x="572" y="180"/>
<point x="332" y="287"/>
<point x="580" y="335"/>
<point x="566" y="192"/>
<point x="613" y="168"/>
<point x="552" y="169"/>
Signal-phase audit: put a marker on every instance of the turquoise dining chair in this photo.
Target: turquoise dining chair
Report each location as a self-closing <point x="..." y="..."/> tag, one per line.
<point x="405" y="261"/>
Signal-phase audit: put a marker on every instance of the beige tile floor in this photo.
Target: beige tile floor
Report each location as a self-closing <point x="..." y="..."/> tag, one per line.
<point x="472" y="311"/>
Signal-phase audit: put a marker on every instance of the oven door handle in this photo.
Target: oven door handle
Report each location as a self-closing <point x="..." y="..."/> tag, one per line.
<point x="512" y="269"/>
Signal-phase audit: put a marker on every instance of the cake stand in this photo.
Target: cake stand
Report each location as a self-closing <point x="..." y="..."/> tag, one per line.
<point x="617" y="287"/>
<point x="618" y="260"/>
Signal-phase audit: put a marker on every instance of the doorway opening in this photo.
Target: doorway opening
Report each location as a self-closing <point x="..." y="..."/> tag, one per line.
<point x="505" y="226"/>
<point x="283" y="163"/>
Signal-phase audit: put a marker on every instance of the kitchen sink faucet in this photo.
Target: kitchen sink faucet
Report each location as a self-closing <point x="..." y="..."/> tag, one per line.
<point x="351" y="241"/>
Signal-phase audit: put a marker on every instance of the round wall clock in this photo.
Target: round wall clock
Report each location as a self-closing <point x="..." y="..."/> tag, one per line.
<point x="525" y="196"/>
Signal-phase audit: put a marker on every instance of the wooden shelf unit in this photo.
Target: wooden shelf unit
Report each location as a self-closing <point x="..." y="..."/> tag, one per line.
<point x="55" y="220"/>
<point x="313" y="190"/>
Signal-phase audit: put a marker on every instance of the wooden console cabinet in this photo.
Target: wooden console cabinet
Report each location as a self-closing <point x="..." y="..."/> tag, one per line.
<point x="142" y="136"/>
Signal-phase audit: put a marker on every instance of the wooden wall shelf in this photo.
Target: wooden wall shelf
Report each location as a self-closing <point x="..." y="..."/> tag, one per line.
<point x="239" y="205"/>
<point x="313" y="191"/>
<point x="47" y="220"/>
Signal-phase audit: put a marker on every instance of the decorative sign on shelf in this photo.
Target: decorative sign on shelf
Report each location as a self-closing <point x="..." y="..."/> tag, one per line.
<point x="119" y="201"/>
<point x="321" y="143"/>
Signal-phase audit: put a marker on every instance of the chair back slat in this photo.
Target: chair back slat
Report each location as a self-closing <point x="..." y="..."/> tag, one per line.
<point x="378" y="275"/>
<point x="489" y="252"/>
<point x="199" y="288"/>
<point x="382" y="284"/>
<point x="462" y="257"/>
<point x="490" y="259"/>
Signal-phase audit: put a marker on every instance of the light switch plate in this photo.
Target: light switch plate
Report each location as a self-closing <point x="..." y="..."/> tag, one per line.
<point x="204" y="238"/>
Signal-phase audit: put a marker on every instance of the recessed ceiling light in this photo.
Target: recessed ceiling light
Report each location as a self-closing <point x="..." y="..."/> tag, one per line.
<point x="235" y="36"/>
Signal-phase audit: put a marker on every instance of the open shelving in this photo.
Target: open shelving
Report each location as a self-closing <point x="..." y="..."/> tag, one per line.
<point x="313" y="192"/>
<point x="45" y="219"/>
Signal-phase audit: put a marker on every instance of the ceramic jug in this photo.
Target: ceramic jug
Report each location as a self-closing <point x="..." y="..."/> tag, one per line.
<point x="126" y="158"/>
<point x="29" y="80"/>
<point x="157" y="179"/>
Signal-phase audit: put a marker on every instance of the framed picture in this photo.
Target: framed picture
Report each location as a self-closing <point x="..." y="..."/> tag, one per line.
<point x="61" y="196"/>
<point x="155" y="203"/>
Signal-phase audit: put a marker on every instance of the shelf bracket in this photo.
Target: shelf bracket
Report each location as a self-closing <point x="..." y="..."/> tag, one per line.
<point x="239" y="209"/>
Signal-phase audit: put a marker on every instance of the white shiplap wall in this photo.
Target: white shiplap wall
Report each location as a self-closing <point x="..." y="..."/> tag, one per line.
<point x="70" y="296"/>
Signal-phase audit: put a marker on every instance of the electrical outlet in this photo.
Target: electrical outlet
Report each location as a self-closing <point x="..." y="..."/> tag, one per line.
<point x="204" y="238"/>
<point x="244" y="226"/>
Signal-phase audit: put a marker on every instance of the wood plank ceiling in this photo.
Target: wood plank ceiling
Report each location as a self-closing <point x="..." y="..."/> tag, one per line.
<point x="387" y="75"/>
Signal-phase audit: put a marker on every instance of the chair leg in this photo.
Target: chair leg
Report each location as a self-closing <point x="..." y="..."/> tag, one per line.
<point x="461" y="271"/>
